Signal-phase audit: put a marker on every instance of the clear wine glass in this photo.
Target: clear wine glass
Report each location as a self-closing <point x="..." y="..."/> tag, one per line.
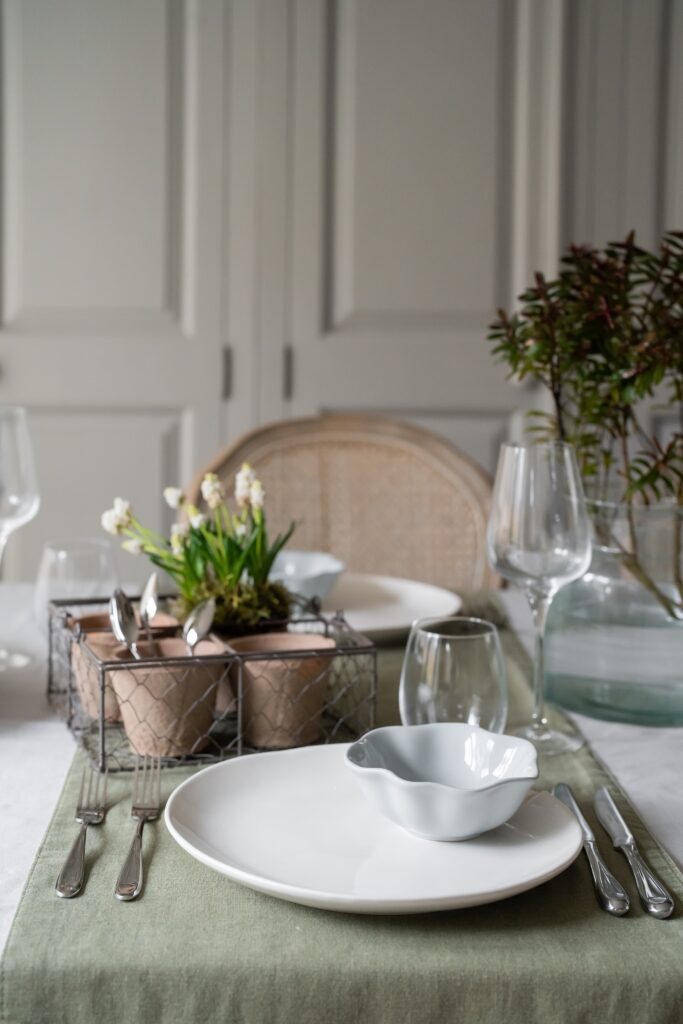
<point x="71" y="570"/>
<point x="19" y="498"/>
<point x="453" y="671"/>
<point x="539" y="539"/>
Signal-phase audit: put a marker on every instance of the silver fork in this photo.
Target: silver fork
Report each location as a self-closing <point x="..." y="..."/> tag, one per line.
<point x="146" y="805"/>
<point x="90" y="810"/>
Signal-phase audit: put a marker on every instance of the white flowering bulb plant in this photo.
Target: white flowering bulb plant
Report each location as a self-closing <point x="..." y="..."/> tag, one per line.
<point x="217" y="553"/>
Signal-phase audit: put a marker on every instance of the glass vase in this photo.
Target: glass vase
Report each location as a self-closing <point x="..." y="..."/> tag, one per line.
<point x="614" y="638"/>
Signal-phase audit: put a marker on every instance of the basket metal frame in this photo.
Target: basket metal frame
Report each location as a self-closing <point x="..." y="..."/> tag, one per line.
<point x="349" y="644"/>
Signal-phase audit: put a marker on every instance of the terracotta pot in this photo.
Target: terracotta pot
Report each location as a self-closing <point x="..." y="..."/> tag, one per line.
<point x="226" y="702"/>
<point x="102" y="642"/>
<point x="167" y="710"/>
<point x="283" y="696"/>
<point x="98" y="622"/>
<point x="87" y="677"/>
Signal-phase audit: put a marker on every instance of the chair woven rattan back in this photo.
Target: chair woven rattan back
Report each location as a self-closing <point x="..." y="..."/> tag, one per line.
<point x="385" y="497"/>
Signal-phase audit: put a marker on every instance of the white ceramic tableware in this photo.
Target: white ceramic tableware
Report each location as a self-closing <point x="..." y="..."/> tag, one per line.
<point x="293" y="824"/>
<point x="383" y="608"/>
<point x="308" y="573"/>
<point x="445" y="780"/>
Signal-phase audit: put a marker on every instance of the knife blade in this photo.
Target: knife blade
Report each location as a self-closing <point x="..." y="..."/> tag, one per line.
<point x="654" y="897"/>
<point x="612" y="897"/>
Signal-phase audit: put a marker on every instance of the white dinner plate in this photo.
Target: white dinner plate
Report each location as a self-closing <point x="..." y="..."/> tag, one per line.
<point x="384" y="608"/>
<point x="295" y="824"/>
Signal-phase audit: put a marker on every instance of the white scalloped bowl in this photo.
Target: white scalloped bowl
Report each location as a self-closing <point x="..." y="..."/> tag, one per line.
<point x="446" y="780"/>
<point x="307" y="573"/>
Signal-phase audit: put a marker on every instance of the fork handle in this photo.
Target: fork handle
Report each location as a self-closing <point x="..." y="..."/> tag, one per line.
<point x="129" y="882"/>
<point x="70" y="881"/>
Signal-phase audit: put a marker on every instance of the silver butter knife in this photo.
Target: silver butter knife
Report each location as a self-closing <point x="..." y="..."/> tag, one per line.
<point x="611" y="896"/>
<point x="653" y="896"/>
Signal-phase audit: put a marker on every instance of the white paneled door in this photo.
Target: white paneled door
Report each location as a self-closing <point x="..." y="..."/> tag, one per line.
<point x="401" y="178"/>
<point x="111" y="271"/>
<point x="397" y="233"/>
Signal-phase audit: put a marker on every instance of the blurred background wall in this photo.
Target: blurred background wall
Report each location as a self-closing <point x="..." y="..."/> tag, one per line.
<point x="217" y="213"/>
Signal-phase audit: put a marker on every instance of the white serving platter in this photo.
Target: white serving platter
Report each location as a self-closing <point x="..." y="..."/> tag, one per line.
<point x="384" y="608"/>
<point x="295" y="824"/>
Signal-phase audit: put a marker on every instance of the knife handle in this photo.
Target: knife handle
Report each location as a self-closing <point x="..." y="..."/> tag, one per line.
<point x="653" y="896"/>
<point x="611" y="896"/>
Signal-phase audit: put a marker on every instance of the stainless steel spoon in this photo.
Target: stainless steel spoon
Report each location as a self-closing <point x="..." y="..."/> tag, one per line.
<point x="149" y="606"/>
<point x="198" y="624"/>
<point x="123" y="622"/>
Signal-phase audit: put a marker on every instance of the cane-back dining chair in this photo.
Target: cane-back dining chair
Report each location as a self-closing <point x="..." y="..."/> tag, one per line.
<point x="385" y="497"/>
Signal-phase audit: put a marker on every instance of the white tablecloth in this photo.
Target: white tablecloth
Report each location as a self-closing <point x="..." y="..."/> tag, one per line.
<point x="36" y="750"/>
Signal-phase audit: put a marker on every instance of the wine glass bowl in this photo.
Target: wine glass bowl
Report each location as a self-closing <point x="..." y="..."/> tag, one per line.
<point x="19" y="497"/>
<point x="453" y="671"/>
<point x="539" y="539"/>
<point x="72" y="570"/>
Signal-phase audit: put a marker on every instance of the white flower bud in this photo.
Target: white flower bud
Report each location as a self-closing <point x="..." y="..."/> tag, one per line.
<point x="174" y="497"/>
<point x="243" y="483"/>
<point x="212" y="491"/>
<point x="257" y="494"/>
<point x="133" y="546"/>
<point x="122" y="510"/>
<point x="116" y="519"/>
<point x="110" y="521"/>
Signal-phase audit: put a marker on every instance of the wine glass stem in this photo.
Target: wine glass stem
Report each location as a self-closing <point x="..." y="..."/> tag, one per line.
<point x="539" y="603"/>
<point x="3" y="545"/>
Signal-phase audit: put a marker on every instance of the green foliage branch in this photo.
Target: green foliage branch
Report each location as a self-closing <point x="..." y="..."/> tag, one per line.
<point x="603" y="337"/>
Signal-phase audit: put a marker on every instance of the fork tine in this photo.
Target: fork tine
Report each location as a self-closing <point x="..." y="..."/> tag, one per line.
<point x="145" y="779"/>
<point x="148" y="778"/>
<point x="136" y="780"/>
<point x="97" y="799"/>
<point x="157" y="785"/>
<point x="79" y="802"/>
<point x="104" y="791"/>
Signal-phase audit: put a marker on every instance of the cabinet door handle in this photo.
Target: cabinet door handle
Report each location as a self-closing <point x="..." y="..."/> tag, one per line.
<point x="287" y="372"/>
<point x="226" y="372"/>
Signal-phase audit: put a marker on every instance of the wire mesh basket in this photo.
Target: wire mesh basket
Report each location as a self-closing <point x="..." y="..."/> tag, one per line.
<point x="312" y="679"/>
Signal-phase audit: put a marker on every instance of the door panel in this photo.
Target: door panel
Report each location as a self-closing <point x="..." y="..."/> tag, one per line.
<point x="403" y="172"/>
<point x="111" y="314"/>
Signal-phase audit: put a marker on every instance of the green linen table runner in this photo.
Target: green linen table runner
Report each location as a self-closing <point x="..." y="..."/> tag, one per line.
<point x="198" y="948"/>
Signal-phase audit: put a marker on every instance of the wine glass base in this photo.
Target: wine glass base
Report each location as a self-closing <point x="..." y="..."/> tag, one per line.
<point x="12" y="659"/>
<point x="550" y="741"/>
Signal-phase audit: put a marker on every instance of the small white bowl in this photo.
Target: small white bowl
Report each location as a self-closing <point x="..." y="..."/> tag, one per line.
<point x="445" y="780"/>
<point x="308" y="573"/>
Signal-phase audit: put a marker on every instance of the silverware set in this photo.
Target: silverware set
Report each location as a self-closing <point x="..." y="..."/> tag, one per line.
<point x="91" y="809"/>
<point x="613" y="898"/>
